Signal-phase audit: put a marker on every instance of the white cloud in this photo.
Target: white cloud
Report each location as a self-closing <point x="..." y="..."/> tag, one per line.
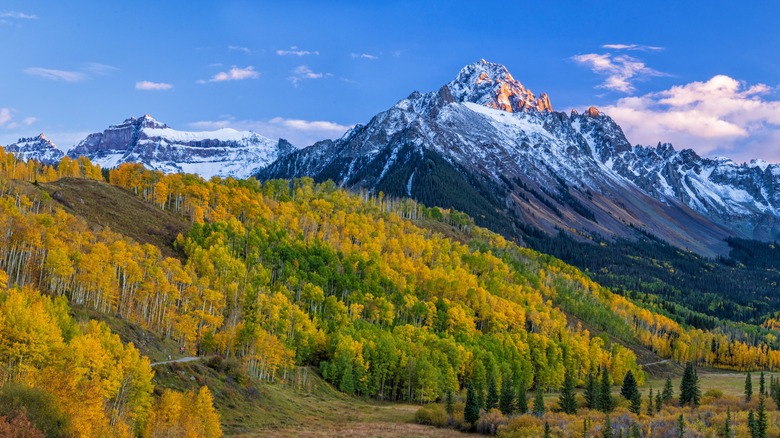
<point x="56" y="75"/>
<point x="303" y="72"/>
<point x="147" y="85"/>
<point x="9" y="123"/>
<point x="298" y="132"/>
<point x="18" y="15"/>
<point x="234" y="74"/>
<point x="637" y="47"/>
<point x="620" y="70"/>
<point x="295" y="51"/>
<point x="721" y="116"/>
<point x="87" y="71"/>
<point x="240" y="49"/>
<point x="5" y="116"/>
<point x="364" y="56"/>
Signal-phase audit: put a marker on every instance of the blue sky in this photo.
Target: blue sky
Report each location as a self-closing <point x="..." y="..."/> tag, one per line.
<point x="703" y="75"/>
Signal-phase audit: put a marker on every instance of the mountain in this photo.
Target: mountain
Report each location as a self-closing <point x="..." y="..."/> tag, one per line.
<point x="486" y="145"/>
<point x="224" y="152"/>
<point x="39" y="148"/>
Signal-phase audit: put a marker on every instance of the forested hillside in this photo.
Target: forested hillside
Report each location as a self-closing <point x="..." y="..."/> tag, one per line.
<point x="295" y="273"/>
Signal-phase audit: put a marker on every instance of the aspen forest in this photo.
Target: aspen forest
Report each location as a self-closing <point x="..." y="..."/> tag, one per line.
<point x="385" y="298"/>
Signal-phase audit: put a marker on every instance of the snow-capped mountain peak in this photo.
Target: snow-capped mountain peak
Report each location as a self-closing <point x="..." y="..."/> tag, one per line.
<point x="36" y="148"/>
<point x="224" y="152"/>
<point x="492" y="85"/>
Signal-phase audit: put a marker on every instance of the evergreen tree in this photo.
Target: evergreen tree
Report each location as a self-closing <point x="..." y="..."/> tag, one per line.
<point x="752" y="424"/>
<point x="630" y="392"/>
<point x="650" y="404"/>
<point x="774" y="389"/>
<point x="608" y="428"/>
<point x="449" y="403"/>
<point x="761" y="384"/>
<point x="605" y="403"/>
<point x="522" y="398"/>
<point x="668" y="391"/>
<point x="492" y="393"/>
<point x="727" y="427"/>
<point x="629" y="386"/>
<point x="635" y="431"/>
<point x="547" y="432"/>
<point x="507" y="403"/>
<point x="681" y="426"/>
<point x="762" y="422"/>
<point x="471" y="410"/>
<point x="659" y="400"/>
<point x="690" y="393"/>
<point x="591" y="390"/>
<point x="748" y="387"/>
<point x="585" y="427"/>
<point x="539" y="402"/>
<point x="567" y="401"/>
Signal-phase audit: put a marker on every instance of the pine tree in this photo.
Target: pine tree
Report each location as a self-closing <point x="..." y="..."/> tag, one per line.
<point x="630" y="392"/>
<point x="471" y="410"/>
<point x="629" y="386"/>
<point x="547" y="432"/>
<point x="752" y="424"/>
<point x="449" y="403"/>
<point x="507" y="403"/>
<point x="650" y="405"/>
<point x="668" y="392"/>
<point x="748" y="387"/>
<point x="605" y="403"/>
<point x="492" y="394"/>
<point x="539" y="402"/>
<point x="522" y="398"/>
<point x="727" y="427"/>
<point x="762" y="422"/>
<point x="591" y="389"/>
<point x="761" y="384"/>
<point x="681" y="426"/>
<point x="635" y="431"/>
<point x="608" y="428"/>
<point x="690" y="393"/>
<point x="659" y="400"/>
<point x="567" y="401"/>
<point x="585" y="427"/>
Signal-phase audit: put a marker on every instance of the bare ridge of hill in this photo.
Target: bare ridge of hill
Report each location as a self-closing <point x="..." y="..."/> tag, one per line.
<point x="103" y="205"/>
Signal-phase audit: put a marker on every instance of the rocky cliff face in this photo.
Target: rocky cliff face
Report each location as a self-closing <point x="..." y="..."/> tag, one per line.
<point x="485" y="136"/>
<point x="225" y="152"/>
<point x="36" y="148"/>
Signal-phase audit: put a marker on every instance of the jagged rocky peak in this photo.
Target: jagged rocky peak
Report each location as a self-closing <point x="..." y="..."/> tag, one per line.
<point x="592" y="112"/>
<point x="38" y="148"/>
<point x="146" y="121"/>
<point x="492" y="85"/>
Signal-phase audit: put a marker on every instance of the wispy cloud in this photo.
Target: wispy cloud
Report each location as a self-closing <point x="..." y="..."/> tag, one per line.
<point x="364" y="56"/>
<point x="637" y="47"/>
<point x="620" y="70"/>
<point x="155" y="86"/>
<point x="298" y="132"/>
<point x="87" y="71"/>
<point x="5" y="116"/>
<point x="721" y="116"/>
<point x="56" y="75"/>
<point x="7" y="120"/>
<point x="295" y="51"/>
<point x="14" y="15"/>
<point x="240" y="49"/>
<point x="234" y="74"/>
<point x="303" y="72"/>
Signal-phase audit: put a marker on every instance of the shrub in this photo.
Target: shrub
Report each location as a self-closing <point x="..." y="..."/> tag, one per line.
<point x="35" y="405"/>
<point x="490" y="422"/>
<point x="432" y="415"/>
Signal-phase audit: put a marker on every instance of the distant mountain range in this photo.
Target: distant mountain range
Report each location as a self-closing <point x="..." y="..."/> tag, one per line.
<point x="486" y="145"/>
<point x="225" y="152"/>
